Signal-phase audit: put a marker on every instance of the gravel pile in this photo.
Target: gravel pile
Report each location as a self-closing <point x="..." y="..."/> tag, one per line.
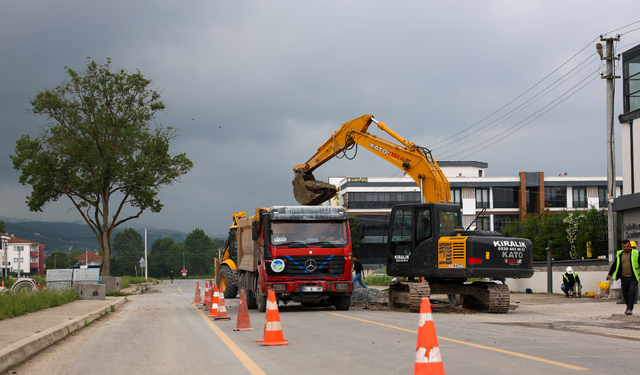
<point x="368" y="295"/>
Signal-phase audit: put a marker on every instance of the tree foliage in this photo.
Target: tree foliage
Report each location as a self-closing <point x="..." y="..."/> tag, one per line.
<point x="2" y="228"/>
<point x="568" y="235"/>
<point x="99" y="149"/>
<point x="126" y="250"/>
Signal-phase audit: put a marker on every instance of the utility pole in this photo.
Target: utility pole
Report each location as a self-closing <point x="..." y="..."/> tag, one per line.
<point x="146" y="262"/>
<point x="20" y="248"/>
<point x="610" y="76"/>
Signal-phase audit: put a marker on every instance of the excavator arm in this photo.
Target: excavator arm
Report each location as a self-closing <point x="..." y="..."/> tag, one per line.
<point x="416" y="161"/>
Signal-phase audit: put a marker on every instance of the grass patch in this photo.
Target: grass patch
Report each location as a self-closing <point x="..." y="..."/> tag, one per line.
<point x="378" y="278"/>
<point x="117" y="294"/>
<point x="16" y="304"/>
<point x="126" y="281"/>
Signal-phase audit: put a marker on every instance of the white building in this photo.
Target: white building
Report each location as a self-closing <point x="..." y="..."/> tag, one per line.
<point x="487" y="203"/>
<point x="21" y="255"/>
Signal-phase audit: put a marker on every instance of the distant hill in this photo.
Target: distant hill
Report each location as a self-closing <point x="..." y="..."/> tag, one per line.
<point x="66" y="236"/>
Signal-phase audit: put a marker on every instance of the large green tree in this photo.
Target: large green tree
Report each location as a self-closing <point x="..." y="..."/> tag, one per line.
<point x="57" y="259"/>
<point x="126" y="250"/>
<point x="99" y="149"/>
<point x="200" y="252"/>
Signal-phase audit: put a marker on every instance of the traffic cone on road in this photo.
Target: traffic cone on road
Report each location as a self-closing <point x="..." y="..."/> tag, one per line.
<point x="207" y="296"/>
<point x="272" y="326"/>
<point x="244" y="324"/>
<point x="222" y="309"/>
<point x="428" y="358"/>
<point x="197" y="298"/>
<point x="213" y="311"/>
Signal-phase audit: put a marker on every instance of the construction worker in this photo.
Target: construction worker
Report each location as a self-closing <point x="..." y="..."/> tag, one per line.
<point x="622" y="301"/>
<point x="570" y="281"/>
<point x="625" y="268"/>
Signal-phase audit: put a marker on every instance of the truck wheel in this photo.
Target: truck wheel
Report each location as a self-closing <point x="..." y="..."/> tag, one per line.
<point x="343" y="303"/>
<point x="248" y="291"/>
<point x="226" y="281"/>
<point x="261" y="299"/>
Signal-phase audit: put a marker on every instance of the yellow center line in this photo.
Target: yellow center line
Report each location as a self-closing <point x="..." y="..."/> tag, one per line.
<point x="471" y="344"/>
<point x="242" y="357"/>
<point x="180" y="289"/>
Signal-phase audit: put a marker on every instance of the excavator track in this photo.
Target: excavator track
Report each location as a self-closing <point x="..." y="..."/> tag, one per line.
<point x="408" y="295"/>
<point x="495" y="298"/>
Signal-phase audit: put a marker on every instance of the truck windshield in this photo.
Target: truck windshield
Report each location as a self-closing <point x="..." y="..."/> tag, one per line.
<point x="308" y="232"/>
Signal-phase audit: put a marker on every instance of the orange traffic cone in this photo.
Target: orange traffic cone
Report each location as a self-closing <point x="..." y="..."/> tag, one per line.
<point x="244" y="324"/>
<point x="428" y="358"/>
<point x="206" y="296"/>
<point x="3" y="283"/>
<point x="197" y="298"/>
<point x="272" y="327"/>
<point x="222" y="309"/>
<point x="214" y="304"/>
<point x="38" y="285"/>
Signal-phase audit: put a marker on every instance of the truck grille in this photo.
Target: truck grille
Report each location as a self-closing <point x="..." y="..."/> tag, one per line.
<point x="310" y="265"/>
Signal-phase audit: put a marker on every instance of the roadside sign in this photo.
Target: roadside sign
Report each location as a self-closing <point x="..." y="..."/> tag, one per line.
<point x="184" y="272"/>
<point x="143" y="264"/>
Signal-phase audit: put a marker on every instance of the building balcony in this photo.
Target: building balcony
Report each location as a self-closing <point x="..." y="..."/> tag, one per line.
<point x="34" y="253"/>
<point x="34" y="265"/>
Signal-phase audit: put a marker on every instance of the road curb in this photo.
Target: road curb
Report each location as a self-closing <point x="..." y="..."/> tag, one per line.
<point x="25" y="348"/>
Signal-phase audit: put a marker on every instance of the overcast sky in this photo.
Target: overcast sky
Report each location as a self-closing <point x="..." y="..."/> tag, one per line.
<point x="256" y="86"/>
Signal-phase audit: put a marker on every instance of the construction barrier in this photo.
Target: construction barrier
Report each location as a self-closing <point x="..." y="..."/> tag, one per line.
<point x="428" y="358"/>
<point x="243" y="324"/>
<point x="272" y="327"/>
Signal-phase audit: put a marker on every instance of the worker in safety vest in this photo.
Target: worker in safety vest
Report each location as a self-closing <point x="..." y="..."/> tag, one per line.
<point x="625" y="267"/>
<point x="570" y="281"/>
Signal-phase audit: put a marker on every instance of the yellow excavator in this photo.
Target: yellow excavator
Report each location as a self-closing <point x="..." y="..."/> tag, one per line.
<point x="425" y="240"/>
<point x="227" y="278"/>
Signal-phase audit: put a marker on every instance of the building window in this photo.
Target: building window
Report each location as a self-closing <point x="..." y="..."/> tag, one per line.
<point x="631" y="79"/>
<point x="602" y="196"/>
<point x="555" y="196"/>
<point x="501" y="221"/>
<point x="456" y="196"/>
<point x="482" y="223"/>
<point x="482" y="198"/>
<point x="579" y="197"/>
<point x="505" y="197"/>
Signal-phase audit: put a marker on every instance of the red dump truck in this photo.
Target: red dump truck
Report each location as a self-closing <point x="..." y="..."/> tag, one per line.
<point x="302" y="253"/>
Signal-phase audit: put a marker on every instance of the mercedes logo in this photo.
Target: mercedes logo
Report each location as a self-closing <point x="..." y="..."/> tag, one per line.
<point x="310" y="265"/>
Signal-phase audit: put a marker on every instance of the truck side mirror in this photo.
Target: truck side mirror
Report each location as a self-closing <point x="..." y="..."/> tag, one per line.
<point x="255" y="233"/>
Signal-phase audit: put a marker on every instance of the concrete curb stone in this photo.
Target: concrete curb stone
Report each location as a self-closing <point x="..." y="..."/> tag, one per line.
<point x="19" y="351"/>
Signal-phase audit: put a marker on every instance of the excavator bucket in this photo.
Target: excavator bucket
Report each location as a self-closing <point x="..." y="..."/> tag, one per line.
<point x="310" y="192"/>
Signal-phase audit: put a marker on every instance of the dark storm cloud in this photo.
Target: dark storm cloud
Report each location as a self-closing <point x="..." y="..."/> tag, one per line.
<point x="256" y="87"/>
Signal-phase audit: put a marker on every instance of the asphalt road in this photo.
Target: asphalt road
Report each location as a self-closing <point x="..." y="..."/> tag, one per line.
<point x="161" y="332"/>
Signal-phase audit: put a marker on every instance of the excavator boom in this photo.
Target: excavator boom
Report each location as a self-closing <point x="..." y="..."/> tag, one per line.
<point x="416" y="161"/>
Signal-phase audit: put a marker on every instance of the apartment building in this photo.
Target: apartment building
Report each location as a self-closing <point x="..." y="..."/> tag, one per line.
<point x="21" y="255"/>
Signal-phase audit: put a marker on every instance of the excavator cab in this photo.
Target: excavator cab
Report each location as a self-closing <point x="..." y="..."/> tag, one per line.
<point x="414" y="233"/>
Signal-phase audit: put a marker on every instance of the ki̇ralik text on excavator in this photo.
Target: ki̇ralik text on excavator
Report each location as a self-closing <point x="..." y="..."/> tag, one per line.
<point x="426" y="240"/>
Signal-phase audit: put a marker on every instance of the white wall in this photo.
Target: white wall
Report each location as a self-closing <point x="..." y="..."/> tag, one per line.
<point x="538" y="282"/>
